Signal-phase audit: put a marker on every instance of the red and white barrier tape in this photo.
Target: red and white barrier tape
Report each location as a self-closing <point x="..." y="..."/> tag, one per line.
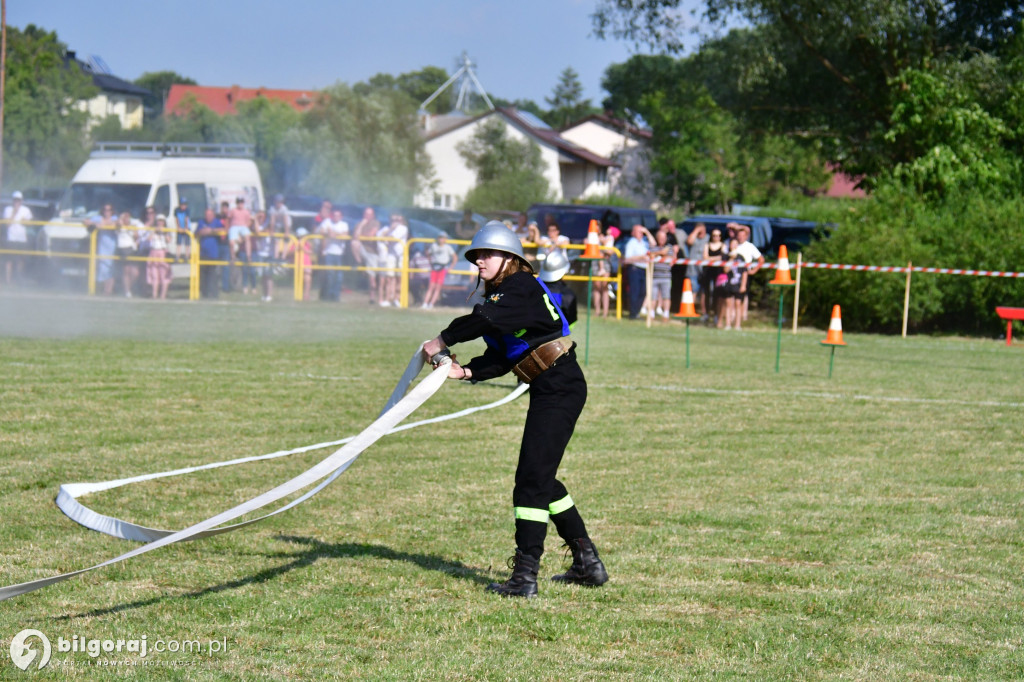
<point x="874" y="268"/>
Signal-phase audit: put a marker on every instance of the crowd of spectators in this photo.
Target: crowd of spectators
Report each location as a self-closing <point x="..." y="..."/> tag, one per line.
<point x="242" y="249"/>
<point x="717" y="265"/>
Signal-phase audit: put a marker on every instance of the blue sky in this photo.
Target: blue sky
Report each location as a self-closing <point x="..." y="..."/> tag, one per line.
<point x="520" y="48"/>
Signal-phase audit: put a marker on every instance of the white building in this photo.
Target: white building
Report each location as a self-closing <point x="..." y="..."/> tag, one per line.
<point x="627" y="146"/>
<point x="572" y="170"/>
<point x="116" y="97"/>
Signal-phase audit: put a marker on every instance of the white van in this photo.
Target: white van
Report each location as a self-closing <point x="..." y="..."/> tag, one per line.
<point x="134" y="175"/>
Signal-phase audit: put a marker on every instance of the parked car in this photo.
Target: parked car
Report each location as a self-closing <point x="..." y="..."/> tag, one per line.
<point x="461" y="290"/>
<point x="134" y="175"/>
<point x="458" y="224"/>
<point x="573" y="220"/>
<point x="760" y="228"/>
<point x="766" y="233"/>
<point x="795" y="234"/>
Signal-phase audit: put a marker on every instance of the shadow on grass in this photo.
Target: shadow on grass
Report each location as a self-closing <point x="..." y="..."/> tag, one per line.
<point x="315" y="551"/>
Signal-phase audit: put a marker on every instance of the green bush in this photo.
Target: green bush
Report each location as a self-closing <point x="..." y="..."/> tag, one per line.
<point x="967" y="231"/>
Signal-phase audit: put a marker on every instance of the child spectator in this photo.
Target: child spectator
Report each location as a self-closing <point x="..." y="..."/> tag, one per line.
<point x="663" y="258"/>
<point x="442" y="256"/>
<point x="158" y="270"/>
<point x="264" y="246"/>
<point x="735" y="270"/>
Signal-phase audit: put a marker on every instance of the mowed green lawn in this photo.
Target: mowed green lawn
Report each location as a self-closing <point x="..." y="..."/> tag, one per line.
<point x="755" y="524"/>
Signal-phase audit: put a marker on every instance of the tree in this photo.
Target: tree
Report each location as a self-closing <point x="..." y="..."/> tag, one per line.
<point x="566" y="102"/>
<point x="947" y="139"/>
<point x="353" y="147"/>
<point x="159" y="84"/>
<point x="508" y="175"/>
<point x="43" y="126"/>
<point x="700" y="156"/>
<point x="822" y="69"/>
<point x="418" y="85"/>
<point x="263" y="123"/>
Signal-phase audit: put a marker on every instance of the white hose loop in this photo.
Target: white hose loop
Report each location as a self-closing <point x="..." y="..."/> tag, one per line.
<point x="398" y="407"/>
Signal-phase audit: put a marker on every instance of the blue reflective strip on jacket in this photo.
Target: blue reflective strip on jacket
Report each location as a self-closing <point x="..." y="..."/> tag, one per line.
<point x="509" y="345"/>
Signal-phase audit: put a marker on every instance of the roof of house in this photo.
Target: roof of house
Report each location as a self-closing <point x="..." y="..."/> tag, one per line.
<point x="844" y="186"/>
<point x="608" y="121"/>
<point x="223" y="100"/>
<point x="105" y="81"/>
<point x="529" y="125"/>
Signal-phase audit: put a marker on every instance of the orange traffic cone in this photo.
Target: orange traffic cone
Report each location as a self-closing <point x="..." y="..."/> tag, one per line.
<point x="782" y="269"/>
<point x="593" y="248"/>
<point x="686" y="309"/>
<point x="835" y="329"/>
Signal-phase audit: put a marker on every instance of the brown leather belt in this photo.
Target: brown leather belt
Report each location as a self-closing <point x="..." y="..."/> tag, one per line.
<point x="541" y="358"/>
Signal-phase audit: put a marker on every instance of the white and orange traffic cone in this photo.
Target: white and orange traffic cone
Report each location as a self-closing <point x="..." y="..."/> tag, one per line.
<point x="593" y="248"/>
<point x="686" y="308"/>
<point x="782" y="276"/>
<point x="835" y="329"/>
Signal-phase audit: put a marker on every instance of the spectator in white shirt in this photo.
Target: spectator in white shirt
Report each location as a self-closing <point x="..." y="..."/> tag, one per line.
<point x="334" y="231"/>
<point x="16" y="236"/>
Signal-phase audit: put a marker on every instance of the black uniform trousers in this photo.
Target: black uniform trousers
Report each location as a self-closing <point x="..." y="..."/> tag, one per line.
<point x="557" y="397"/>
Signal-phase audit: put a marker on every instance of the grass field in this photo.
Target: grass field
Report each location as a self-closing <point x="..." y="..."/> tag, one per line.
<point x="755" y="524"/>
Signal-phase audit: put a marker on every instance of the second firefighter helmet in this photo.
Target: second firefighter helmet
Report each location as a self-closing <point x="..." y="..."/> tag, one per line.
<point x="495" y="236"/>
<point x="554" y="267"/>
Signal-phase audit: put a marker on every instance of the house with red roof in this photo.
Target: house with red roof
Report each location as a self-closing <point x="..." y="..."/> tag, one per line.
<point x="843" y="186"/>
<point x="225" y="100"/>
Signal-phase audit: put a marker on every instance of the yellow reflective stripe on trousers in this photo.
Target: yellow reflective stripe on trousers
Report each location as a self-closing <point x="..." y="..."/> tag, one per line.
<point x="559" y="506"/>
<point x="531" y="514"/>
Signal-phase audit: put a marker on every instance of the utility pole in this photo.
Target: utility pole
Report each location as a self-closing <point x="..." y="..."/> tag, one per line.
<point x="3" y="80"/>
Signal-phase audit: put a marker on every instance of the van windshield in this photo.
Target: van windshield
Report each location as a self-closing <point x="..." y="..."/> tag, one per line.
<point x="83" y="198"/>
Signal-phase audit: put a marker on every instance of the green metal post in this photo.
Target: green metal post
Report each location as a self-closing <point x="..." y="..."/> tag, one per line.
<point x="590" y="286"/>
<point x="778" y="343"/>
<point x="687" y="343"/>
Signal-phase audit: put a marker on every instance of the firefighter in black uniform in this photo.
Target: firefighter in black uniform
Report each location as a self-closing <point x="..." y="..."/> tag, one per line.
<point x="526" y="333"/>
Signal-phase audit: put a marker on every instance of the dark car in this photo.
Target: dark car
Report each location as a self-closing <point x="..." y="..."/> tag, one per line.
<point x="573" y="220"/>
<point x="760" y="228"/>
<point x="461" y="289"/>
<point x="795" y="234"/>
<point x="458" y="224"/>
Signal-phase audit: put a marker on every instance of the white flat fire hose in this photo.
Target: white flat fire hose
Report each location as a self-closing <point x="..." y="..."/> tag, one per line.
<point x="395" y="411"/>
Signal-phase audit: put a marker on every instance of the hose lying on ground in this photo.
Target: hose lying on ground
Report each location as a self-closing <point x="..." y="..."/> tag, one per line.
<point x="398" y="407"/>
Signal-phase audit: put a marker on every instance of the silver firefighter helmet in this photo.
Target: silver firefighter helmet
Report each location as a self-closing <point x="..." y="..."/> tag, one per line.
<point x="495" y="236"/>
<point x="554" y="266"/>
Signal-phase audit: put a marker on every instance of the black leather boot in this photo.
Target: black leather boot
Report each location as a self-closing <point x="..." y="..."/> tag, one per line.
<point x="523" y="581"/>
<point x="586" y="568"/>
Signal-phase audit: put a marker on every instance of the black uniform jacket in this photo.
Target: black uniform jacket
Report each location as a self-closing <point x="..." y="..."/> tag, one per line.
<point x="514" y="319"/>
